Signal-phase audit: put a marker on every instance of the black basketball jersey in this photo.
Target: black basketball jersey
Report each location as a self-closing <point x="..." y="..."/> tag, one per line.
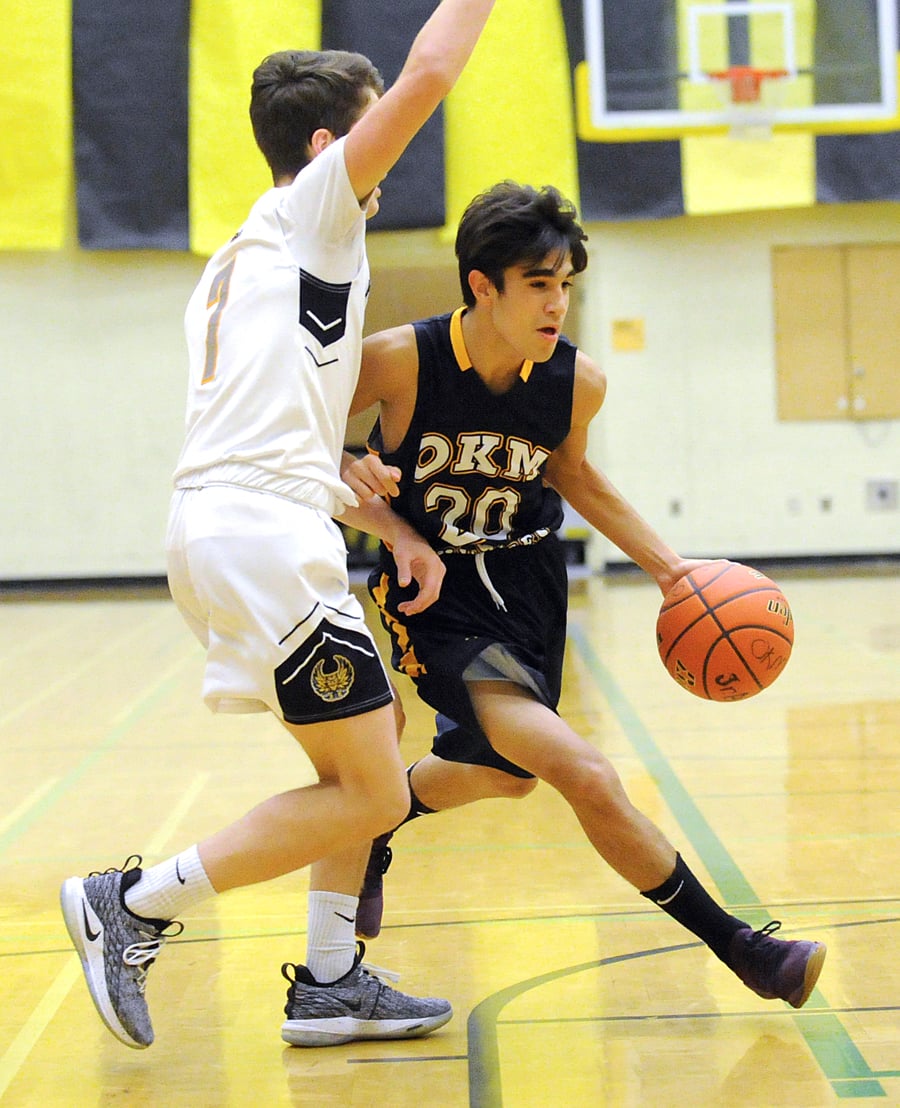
<point x="472" y="461"/>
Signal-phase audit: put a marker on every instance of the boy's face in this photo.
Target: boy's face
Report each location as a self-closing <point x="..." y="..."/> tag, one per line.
<point x="530" y="312"/>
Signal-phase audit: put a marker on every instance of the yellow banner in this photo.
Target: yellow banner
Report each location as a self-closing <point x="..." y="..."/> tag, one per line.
<point x="724" y="174"/>
<point x="35" y="124"/>
<point x="511" y="114"/>
<point x="229" y="38"/>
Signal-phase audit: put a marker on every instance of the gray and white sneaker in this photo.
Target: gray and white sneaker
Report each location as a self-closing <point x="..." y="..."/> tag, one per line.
<point x="116" y="948"/>
<point x="356" y="1006"/>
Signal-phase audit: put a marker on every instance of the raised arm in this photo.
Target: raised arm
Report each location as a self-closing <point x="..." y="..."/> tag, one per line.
<point x="436" y="59"/>
<point x="594" y="497"/>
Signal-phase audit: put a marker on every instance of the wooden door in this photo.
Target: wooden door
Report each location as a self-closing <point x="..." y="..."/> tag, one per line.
<point x="873" y="303"/>
<point x="810" y="332"/>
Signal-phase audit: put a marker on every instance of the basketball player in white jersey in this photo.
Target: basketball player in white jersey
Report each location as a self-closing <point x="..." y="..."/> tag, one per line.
<point x="256" y="564"/>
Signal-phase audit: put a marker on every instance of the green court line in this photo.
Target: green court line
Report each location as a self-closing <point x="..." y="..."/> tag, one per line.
<point x="98" y="752"/>
<point x="857" y="1089"/>
<point x="835" y="1050"/>
<point x="730" y="881"/>
<point x="828" y="1040"/>
<point x="485" y="1088"/>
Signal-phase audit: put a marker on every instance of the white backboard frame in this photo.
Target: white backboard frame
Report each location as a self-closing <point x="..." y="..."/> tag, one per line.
<point x="598" y="122"/>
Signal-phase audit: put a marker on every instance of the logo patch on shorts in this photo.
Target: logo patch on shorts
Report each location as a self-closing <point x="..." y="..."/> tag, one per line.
<point x="334" y="672"/>
<point x="334" y="685"/>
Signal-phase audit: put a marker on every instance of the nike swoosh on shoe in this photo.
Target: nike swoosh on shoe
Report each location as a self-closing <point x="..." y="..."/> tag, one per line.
<point x="91" y="935"/>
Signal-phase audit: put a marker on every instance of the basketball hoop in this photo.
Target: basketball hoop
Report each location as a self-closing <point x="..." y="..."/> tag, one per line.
<point x="750" y="105"/>
<point x="746" y="81"/>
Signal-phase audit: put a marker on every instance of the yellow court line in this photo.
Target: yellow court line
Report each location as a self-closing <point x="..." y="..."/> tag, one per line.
<point x="18" y="646"/>
<point x="36" y="1024"/>
<point x="135" y="711"/>
<point x="190" y="653"/>
<point x="30" y="801"/>
<point x="21" y="1046"/>
<point x="115" y="648"/>
<point x="164" y="834"/>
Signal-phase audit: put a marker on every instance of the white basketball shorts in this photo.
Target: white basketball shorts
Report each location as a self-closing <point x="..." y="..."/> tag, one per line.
<point x="262" y="582"/>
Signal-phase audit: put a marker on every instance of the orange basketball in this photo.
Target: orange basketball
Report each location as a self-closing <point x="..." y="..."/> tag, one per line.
<point x="725" y="631"/>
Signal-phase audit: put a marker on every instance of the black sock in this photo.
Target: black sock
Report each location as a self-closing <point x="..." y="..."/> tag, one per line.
<point x="686" y="901"/>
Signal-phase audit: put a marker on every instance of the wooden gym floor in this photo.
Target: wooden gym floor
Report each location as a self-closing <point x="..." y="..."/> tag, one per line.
<point x="569" y="989"/>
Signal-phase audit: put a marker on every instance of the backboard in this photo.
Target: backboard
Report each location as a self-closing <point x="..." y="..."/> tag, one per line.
<point x="658" y="69"/>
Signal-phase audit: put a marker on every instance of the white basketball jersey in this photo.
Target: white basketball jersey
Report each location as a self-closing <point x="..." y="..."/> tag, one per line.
<point x="274" y="331"/>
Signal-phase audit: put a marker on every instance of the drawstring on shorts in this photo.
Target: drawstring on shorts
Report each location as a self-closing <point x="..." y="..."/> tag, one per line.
<point x="480" y="565"/>
<point x="487" y="582"/>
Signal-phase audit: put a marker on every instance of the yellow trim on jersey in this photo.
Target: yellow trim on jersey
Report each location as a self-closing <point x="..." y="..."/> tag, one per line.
<point x="462" y="354"/>
<point x="409" y="663"/>
<point x="458" y="342"/>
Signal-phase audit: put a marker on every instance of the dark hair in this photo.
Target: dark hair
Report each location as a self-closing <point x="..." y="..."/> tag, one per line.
<point x="295" y="92"/>
<point x="513" y="224"/>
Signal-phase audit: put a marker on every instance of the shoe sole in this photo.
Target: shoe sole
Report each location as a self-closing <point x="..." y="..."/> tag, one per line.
<point x="811" y="976"/>
<point x="75" y="906"/>
<point x="346" y="1029"/>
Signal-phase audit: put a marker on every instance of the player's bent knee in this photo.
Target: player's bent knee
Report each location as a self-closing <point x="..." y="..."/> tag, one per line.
<point x="593" y="782"/>
<point x="383" y="821"/>
<point x="389" y="811"/>
<point x="377" y="797"/>
<point x="514" y="788"/>
<point x="377" y="818"/>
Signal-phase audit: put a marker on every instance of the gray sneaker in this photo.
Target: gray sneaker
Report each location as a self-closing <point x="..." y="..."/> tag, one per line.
<point x="356" y="1006"/>
<point x="116" y="948"/>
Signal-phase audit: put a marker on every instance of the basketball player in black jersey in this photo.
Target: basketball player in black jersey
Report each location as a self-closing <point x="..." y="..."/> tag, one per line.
<point x="483" y="424"/>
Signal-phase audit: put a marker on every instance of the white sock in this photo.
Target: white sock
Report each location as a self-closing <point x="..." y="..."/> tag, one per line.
<point x="170" y="888"/>
<point x="331" y="941"/>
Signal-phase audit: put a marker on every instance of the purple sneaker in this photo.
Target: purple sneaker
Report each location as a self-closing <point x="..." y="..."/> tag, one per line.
<point x="776" y="968"/>
<point x="371" y="897"/>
